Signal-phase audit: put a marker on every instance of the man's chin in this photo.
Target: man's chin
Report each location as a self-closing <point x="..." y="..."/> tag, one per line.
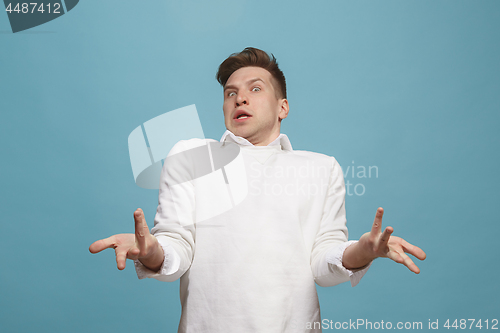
<point x="242" y="132"/>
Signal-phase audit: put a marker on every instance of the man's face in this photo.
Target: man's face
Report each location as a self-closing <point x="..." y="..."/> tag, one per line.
<point x="251" y="107"/>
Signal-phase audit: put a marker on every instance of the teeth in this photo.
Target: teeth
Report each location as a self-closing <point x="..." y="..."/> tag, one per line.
<point x="242" y="116"/>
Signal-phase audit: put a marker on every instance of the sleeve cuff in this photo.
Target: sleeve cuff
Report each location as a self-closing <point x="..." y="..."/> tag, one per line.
<point x="334" y="258"/>
<point x="170" y="265"/>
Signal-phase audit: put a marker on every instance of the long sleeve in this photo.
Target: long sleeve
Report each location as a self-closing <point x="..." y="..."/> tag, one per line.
<point x="331" y="240"/>
<point x="334" y="259"/>
<point x="170" y="264"/>
<point x="175" y="220"/>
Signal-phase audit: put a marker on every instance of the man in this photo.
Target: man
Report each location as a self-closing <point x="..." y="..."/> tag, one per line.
<point x="254" y="268"/>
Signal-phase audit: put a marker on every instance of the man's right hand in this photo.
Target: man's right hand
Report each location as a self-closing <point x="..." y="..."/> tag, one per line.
<point x="141" y="245"/>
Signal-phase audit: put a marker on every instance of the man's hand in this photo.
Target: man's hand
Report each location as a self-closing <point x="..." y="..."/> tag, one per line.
<point x="375" y="244"/>
<point x="141" y="245"/>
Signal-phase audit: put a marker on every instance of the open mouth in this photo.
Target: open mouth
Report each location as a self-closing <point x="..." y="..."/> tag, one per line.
<point x="240" y="115"/>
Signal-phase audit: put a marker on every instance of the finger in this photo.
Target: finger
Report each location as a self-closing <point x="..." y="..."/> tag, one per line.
<point x="121" y="258"/>
<point x="133" y="253"/>
<point x="377" y="223"/>
<point x="413" y="250"/>
<point x="102" y="244"/>
<point x="384" y="239"/>
<point x="410" y="264"/>
<point x="395" y="256"/>
<point x="141" y="229"/>
<point x="402" y="258"/>
<point x="386" y="234"/>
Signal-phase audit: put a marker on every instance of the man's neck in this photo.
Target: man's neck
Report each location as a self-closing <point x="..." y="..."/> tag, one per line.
<point x="263" y="142"/>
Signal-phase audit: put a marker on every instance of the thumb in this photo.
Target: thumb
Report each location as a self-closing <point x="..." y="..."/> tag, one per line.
<point x="141" y="230"/>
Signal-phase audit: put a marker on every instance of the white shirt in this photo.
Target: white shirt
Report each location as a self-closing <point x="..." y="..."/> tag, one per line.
<point x="253" y="268"/>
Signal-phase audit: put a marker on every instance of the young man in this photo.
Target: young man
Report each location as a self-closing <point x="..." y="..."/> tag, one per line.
<point x="254" y="267"/>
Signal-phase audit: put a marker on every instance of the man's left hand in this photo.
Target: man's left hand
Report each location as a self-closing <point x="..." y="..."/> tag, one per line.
<point x="375" y="244"/>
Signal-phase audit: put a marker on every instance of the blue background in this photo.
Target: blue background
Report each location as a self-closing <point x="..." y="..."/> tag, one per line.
<point x="412" y="87"/>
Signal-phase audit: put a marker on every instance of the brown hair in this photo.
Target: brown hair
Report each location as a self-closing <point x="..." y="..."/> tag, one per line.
<point x="251" y="56"/>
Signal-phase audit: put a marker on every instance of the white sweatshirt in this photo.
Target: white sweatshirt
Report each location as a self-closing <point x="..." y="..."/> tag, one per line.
<point x="253" y="268"/>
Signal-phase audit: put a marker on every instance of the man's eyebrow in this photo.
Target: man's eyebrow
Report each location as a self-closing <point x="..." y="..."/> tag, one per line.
<point x="230" y="86"/>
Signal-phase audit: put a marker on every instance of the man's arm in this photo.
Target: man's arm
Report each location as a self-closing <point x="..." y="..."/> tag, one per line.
<point x="331" y="238"/>
<point x="376" y="244"/>
<point x="140" y="246"/>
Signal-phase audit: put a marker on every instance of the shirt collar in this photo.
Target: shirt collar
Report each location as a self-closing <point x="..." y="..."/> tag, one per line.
<point x="282" y="140"/>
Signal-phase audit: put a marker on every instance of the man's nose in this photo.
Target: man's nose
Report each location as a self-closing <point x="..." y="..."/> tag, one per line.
<point x="241" y="99"/>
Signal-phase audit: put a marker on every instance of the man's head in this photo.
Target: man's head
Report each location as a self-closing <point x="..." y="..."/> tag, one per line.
<point x="254" y="95"/>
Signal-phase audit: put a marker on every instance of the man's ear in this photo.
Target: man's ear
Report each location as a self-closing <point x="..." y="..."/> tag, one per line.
<point x="284" y="108"/>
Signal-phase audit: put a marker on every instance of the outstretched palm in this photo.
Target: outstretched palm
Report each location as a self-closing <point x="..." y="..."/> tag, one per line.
<point x="141" y="245"/>
<point x="377" y="244"/>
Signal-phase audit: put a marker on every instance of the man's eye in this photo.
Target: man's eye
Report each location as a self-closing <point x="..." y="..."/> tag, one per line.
<point x="255" y="89"/>
<point x="232" y="93"/>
